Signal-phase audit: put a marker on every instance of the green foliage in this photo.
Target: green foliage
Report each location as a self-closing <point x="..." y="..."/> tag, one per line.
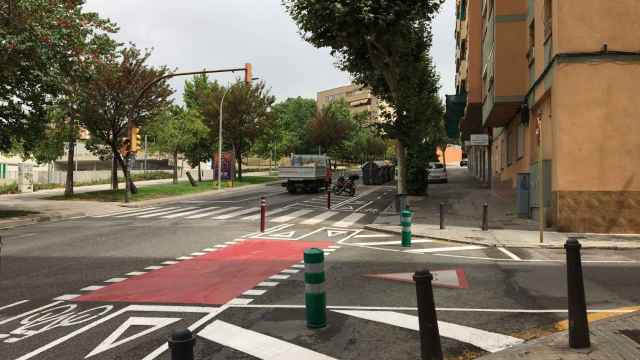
<point x="175" y="130"/>
<point x="331" y="127"/>
<point x="287" y="130"/>
<point x="418" y="158"/>
<point x="43" y="45"/>
<point x="10" y="188"/>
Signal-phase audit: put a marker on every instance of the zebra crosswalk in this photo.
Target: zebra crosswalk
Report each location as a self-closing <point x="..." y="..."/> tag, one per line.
<point x="287" y="214"/>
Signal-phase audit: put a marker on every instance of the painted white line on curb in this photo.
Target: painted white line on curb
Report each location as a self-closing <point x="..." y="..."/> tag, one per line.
<point x="135" y="273"/>
<point x="488" y="341"/>
<point x="115" y="280"/>
<point x="509" y="253"/>
<point x="154" y="267"/>
<point x="92" y="288"/>
<point x="256" y="344"/>
<point x="240" y="301"/>
<point x="185" y="258"/>
<point x="170" y="262"/>
<point x="279" y="277"/>
<point x="290" y="271"/>
<point x="268" y="283"/>
<point x="198" y="253"/>
<point x="254" y="292"/>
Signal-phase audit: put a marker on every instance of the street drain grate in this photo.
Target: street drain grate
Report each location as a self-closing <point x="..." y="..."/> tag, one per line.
<point x="632" y="334"/>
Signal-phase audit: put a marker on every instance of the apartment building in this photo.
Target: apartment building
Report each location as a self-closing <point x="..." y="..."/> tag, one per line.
<point x="558" y="79"/>
<point x="360" y="99"/>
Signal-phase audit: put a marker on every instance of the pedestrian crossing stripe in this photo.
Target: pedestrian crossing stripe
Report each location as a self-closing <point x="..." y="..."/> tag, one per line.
<point x="214" y="212"/>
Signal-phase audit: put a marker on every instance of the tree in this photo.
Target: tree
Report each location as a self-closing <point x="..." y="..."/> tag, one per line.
<point x="199" y="151"/>
<point x="331" y="127"/>
<point x="384" y="45"/>
<point x="175" y="130"/>
<point x="113" y="97"/>
<point x="43" y="44"/>
<point x="287" y="130"/>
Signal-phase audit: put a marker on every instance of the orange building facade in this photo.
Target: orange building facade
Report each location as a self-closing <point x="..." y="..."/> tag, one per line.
<point x="565" y="72"/>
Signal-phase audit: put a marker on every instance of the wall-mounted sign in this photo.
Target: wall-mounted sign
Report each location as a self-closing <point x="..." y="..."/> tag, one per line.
<point x="480" y="140"/>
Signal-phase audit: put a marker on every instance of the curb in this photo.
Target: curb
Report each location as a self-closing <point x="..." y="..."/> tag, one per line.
<point x="36" y="219"/>
<point x="520" y="246"/>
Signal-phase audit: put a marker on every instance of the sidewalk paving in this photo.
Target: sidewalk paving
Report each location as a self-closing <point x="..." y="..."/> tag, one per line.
<point x="615" y="338"/>
<point x="464" y="200"/>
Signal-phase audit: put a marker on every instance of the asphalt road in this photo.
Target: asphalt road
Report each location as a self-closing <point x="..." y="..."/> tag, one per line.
<point x="114" y="286"/>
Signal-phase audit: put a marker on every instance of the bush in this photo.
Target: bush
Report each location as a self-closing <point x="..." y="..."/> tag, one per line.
<point x="10" y="188"/>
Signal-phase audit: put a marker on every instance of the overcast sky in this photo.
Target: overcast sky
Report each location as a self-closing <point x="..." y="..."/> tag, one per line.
<point x="197" y="34"/>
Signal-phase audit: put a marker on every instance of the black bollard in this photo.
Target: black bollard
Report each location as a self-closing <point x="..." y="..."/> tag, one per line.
<point x="181" y="345"/>
<point x="441" y="216"/>
<point x="485" y="217"/>
<point x="430" y="347"/>
<point x="578" y="323"/>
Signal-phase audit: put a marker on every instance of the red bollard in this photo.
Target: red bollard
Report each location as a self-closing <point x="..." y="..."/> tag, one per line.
<point x="263" y="214"/>
<point x="329" y="199"/>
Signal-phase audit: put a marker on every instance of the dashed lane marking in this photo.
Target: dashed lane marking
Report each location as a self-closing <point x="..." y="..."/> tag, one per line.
<point x="256" y="344"/>
<point x="214" y="212"/>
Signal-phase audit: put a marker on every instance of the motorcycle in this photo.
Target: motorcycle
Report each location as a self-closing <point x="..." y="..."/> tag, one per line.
<point x="347" y="186"/>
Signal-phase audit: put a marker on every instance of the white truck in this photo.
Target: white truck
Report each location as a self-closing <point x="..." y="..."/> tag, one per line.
<point x="307" y="173"/>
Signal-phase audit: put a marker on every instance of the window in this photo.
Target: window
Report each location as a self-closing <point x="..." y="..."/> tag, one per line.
<point x="532" y="41"/>
<point x="463" y="10"/>
<point x="520" y="142"/>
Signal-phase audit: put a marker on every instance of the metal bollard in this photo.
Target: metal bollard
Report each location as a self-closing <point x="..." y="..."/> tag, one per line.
<point x="328" y="199"/>
<point x="441" y="216"/>
<point x="485" y="217"/>
<point x="315" y="298"/>
<point x="578" y="322"/>
<point x="405" y="221"/>
<point x="263" y="214"/>
<point x="430" y="347"/>
<point x="181" y="344"/>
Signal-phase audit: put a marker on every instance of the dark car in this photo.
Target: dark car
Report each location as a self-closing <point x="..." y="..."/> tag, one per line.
<point x="464" y="162"/>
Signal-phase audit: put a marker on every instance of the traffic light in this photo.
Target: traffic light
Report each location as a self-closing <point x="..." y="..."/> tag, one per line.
<point x="248" y="73"/>
<point x="135" y="138"/>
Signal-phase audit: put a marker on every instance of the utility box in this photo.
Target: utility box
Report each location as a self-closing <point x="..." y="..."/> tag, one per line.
<point x="25" y="178"/>
<point x="522" y="194"/>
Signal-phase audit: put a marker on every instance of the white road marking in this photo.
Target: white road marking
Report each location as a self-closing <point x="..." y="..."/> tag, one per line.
<point x="394" y="242"/>
<point x="290" y="271"/>
<point x="509" y="253"/>
<point x="198" y="253"/>
<point x="240" y="301"/>
<point x="291" y="216"/>
<point x="408" y="308"/>
<point x="191" y="212"/>
<point x="236" y="213"/>
<point x="8" y="320"/>
<point x="147" y="216"/>
<point x="364" y="206"/>
<point x="154" y="267"/>
<point x="115" y="280"/>
<point x="334" y="247"/>
<point x="330" y="250"/>
<point x="269" y="213"/>
<point x="136" y="273"/>
<point x="13" y="304"/>
<point x="209" y="213"/>
<point x="279" y="277"/>
<point x="125" y="212"/>
<point x="320" y="218"/>
<point x="256" y="344"/>
<point x="299" y="266"/>
<point x="114" y="339"/>
<point x="268" y="283"/>
<point x="374" y="236"/>
<point x="254" y="292"/>
<point x="540" y="260"/>
<point x="488" y="341"/>
<point x="185" y="258"/>
<point x="170" y="262"/>
<point x="221" y="246"/>
<point x="349" y="220"/>
<point x="208" y="249"/>
<point x="145" y="211"/>
<point x="444" y="249"/>
<point x="230" y="242"/>
<point x="66" y="297"/>
<point x="92" y="288"/>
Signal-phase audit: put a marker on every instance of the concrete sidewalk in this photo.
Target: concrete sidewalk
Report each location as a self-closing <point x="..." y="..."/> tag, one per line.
<point x="616" y="338"/>
<point x="464" y="199"/>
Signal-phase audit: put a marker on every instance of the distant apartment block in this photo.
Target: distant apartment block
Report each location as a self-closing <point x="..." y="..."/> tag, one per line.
<point x="360" y="99"/>
<point x="565" y="69"/>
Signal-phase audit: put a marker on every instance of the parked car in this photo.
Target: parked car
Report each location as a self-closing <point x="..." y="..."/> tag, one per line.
<point x="437" y="173"/>
<point x="464" y="162"/>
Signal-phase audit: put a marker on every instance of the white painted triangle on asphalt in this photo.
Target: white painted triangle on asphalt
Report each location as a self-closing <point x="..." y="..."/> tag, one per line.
<point x="332" y="233"/>
<point x="488" y="341"/>
<point x="209" y="213"/>
<point x="256" y="344"/>
<point x="114" y="340"/>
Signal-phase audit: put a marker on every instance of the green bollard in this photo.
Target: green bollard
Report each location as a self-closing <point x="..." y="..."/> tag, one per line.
<point x="406" y="227"/>
<point x="315" y="297"/>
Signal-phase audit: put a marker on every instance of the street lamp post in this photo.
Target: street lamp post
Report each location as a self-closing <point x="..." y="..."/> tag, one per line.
<point x="220" y="140"/>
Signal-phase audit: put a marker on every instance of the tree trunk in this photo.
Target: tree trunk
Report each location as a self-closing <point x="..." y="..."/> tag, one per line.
<point x="68" y="185"/>
<point x="127" y="175"/>
<point x="175" y="167"/>
<point x="199" y="173"/>
<point x="114" y="173"/>
<point x="402" y="168"/>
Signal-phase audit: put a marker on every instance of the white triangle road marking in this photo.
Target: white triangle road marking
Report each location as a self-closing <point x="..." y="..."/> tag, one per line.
<point x="332" y="233"/>
<point x="488" y="341"/>
<point x="112" y="340"/>
<point x="256" y="344"/>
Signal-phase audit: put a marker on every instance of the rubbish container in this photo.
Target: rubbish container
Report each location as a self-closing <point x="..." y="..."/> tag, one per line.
<point x="522" y="194"/>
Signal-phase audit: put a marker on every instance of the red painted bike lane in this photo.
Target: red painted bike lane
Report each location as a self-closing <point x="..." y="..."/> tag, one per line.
<point x="211" y="279"/>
